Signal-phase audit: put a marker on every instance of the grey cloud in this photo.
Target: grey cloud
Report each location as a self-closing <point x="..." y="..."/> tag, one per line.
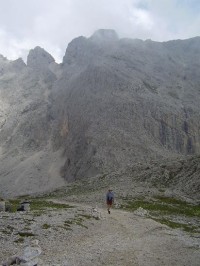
<point x="53" y="24"/>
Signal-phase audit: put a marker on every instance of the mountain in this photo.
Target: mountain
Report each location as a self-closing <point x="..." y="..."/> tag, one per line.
<point x="111" y="103"/>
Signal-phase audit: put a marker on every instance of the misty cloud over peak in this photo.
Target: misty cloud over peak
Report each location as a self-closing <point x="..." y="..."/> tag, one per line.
<point x="53" y="24"/>
<point x="107" y="35"/>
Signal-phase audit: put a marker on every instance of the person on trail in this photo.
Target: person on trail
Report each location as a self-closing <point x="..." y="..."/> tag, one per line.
<point x="109" y="199"/>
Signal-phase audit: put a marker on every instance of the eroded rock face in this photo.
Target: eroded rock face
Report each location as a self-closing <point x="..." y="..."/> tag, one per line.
<point x="111" y="103"/>
<point x="127" y="101"/>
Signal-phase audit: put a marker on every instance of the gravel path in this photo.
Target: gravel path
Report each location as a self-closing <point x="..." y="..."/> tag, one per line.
<point x="122" y="238"/>
<point x="119" y="239"/>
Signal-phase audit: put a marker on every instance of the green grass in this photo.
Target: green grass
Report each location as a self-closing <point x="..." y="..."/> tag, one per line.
<point x="151" y="206"/>
<point x="181" y="207"/>
<point x="38" y="205"/>
<point x="43" y="204"/>
<point x="169" y="200"/>
<point x="176" y="225"/>
<point x="165" y="206"/>
<point x="80" y="224"/>
<point x="19" y="240"/>
<point x="68" y="222"/>
<point x="160" y="207"/>
<point x="14" y="203"/>
<point x="46" y="226"/>
<point x="77" y="221"/>
<point x="25" y="234"/>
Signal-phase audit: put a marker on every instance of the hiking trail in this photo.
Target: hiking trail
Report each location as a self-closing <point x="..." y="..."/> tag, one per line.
<point x="123" y="238"/>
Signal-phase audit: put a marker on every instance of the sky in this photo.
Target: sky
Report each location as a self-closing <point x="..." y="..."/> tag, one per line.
<point x="52" y="24"/>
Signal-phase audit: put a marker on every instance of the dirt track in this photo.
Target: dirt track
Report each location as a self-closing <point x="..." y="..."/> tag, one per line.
<point x="72" y="237"/>
<point x="123" y="238"/>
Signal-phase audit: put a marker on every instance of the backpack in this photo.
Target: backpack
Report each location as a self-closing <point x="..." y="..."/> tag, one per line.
<point x="110" y="196"/>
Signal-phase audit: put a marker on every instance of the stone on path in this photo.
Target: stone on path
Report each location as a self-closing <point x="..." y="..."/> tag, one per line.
<point x="29" y="256"/>
<point x="141" y="212"/>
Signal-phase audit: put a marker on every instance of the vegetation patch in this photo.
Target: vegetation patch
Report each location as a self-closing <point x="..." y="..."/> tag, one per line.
<point x="43" y="204"/>
<point x="181" y="207"/>
<point x="176" y="225"/>
<point x="19" y="240"/>
<point x="64" y="227"/>
<point x="46" y="226"/>
<point x="6" y="232"/>
<point x="151" y="206"/>
<point x="163" y="209"/>
<point x="76" y="221"/>
<point x="27" y="228"/>
<point x="86" y="216"/>
<point x="80" y="224"/>
<point x="79" y="221"/>
<point x="14" y="204"/>
<point x="25" y="234"/>
<point x="164" y="205"/>
<point x="89" y="216"/>
<point x="37" y="204"/>
<point x="68" y="222"/>
<point x="169" y="200"/>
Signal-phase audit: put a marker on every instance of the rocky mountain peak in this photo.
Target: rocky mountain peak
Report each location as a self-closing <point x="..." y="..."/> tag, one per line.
<point x="18" y="64"/>
<point x="104" y="35"/>
<point x="9" y="66"/>
<point x="3" y="58"/>
<point x="39" y="58"/>
<point x="3" y="62"/>
<point x="83" y="50"/>
<point x="75" y="50"/>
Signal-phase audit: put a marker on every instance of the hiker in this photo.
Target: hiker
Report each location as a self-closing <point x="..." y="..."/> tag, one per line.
<point x="109" y="199"/>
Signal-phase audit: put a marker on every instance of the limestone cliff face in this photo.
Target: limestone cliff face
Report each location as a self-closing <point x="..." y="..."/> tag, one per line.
<point x="27" y="162"/>
<point x="111" y="103"/>
<point x="127" y="101"/>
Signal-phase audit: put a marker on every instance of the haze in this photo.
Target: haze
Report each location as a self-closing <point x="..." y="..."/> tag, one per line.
<point x="53" y="24"/>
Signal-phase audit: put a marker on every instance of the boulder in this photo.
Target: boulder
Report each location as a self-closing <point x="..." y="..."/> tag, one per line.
<point x="141" y="212"/>
<point x="24" y="206"/>
<point x="29" y="256"/>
